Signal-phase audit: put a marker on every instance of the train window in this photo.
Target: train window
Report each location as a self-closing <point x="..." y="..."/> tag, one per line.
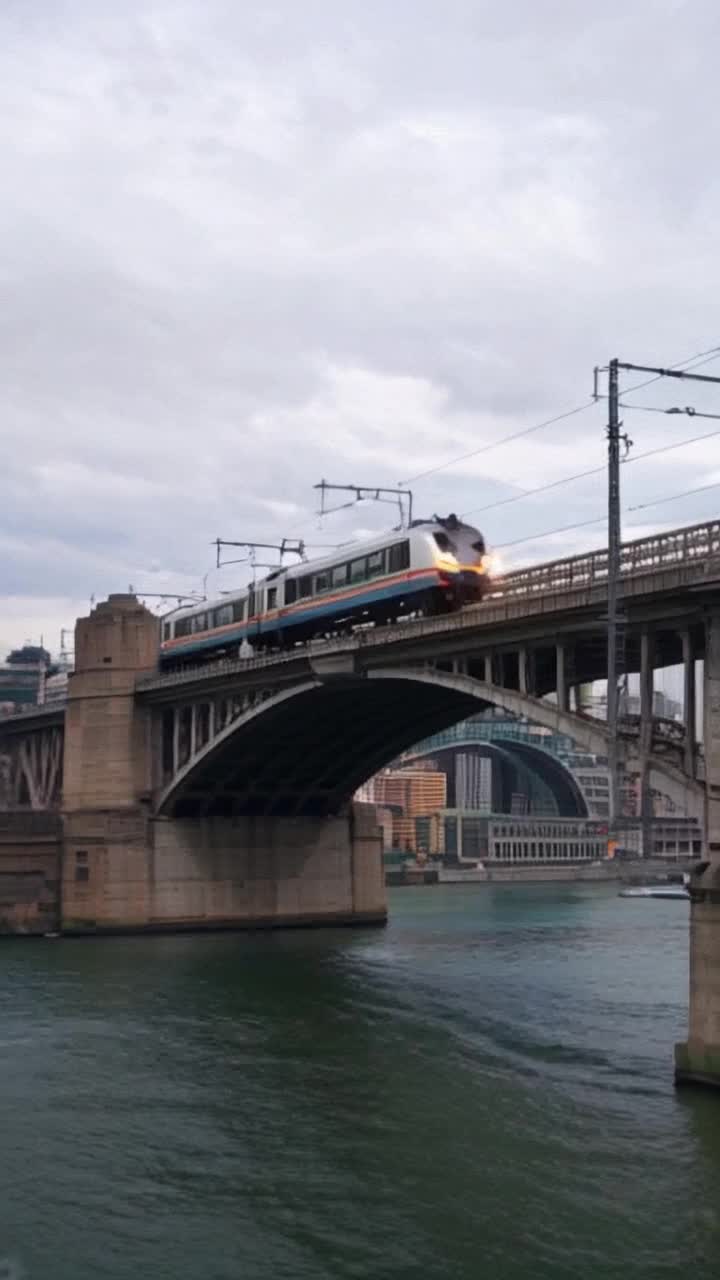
<point x="272" y="598"/>
<point x="358" y="570"/>
<point x="252" y="603"/>
<point x="376" y="564"/>
<point x="290" y="590"/>
<point x="340" y="575"/>
<point x="199" y="622"/>
<point x="322" y="582"/>
<point x="238" y="610"/>
<point x="182" y="627"/>
<point x="223" y="615"/>
<point x="306" y="586"/>
<point x="479" y="545"/>
<point x="167" y="630"/>
<point x="399" y="557"/>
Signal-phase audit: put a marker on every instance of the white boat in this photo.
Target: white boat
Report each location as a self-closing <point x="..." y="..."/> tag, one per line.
<point x="656" y="891"/>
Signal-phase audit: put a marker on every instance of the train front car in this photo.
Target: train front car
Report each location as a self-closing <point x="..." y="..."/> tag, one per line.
<point x="461" y="560"/>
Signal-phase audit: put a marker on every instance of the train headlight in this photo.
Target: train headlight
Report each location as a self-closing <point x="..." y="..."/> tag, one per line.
<point x="492" y="564"/>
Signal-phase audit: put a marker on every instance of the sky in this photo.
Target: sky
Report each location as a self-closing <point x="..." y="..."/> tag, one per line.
<point x="248" y="245"/>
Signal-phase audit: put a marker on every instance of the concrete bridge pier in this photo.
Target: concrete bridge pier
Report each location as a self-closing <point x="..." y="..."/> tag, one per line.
<point x="697" y="1060"/>
<point x="107" y="768"/>
<point x="126" y="868"/>
<point x="260" y="872"/>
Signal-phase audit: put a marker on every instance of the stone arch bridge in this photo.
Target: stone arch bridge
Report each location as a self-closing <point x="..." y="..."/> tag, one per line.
<point x="222" y="794"/>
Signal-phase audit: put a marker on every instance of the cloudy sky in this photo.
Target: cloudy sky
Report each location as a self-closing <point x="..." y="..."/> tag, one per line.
<point x="248" y="244"/>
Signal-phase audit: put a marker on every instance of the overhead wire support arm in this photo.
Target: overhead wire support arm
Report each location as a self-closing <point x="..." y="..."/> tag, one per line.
<point x="667" y="373"/>
<point x="364" y="492"/>
<point x="287" y="546"/>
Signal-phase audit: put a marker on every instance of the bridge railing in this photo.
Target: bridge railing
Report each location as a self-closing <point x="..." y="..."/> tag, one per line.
<point x="645" y="555"/>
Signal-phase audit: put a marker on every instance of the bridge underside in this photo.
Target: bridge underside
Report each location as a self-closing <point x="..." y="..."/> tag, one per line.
<point x="306" y="755"/>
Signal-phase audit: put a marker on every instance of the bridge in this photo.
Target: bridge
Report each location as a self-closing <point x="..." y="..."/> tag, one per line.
<point x="221" y="794"/>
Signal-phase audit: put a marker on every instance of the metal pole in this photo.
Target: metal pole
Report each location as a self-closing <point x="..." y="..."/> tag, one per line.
<point x="613" y="566"/>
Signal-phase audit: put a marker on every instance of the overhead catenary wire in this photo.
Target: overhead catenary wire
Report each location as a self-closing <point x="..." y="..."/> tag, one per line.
<point x="594" y="471"/>
<point x="696" y="361"/>
<point x="584" y="524"/>
<point x="673" y="497"/>
<point x="495" y="444"/>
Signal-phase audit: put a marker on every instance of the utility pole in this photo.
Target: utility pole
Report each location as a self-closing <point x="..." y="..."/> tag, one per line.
<point x="615" y="617"/>
<point x="613" y="572"/>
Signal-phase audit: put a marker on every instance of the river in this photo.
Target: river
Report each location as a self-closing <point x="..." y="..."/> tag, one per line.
<point x="484" y="1088"/>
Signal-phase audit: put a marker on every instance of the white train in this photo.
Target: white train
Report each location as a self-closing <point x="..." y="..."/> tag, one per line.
<point x="433" y="567"/>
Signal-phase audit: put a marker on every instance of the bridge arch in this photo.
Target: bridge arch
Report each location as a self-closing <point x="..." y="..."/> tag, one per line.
<point x="306" y="750"/>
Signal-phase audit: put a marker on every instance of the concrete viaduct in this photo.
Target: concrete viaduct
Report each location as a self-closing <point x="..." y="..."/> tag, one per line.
<point x="221" y="795"/>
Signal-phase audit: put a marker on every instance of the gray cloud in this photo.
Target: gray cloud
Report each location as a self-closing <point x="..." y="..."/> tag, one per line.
<point x="247" y="246"/>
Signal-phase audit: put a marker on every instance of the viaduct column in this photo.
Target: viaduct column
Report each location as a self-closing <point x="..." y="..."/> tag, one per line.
<point x="107" y="769"/>
<point x="688" y="652"/>
<point x="697" y="1060"/>
<point x="647" y="648"/>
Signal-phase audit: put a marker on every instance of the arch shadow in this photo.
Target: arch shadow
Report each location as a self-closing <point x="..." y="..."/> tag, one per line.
<point x="305" y="751"/>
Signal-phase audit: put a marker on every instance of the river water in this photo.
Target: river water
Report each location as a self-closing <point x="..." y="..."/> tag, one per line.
<point x="482" y="1089"/>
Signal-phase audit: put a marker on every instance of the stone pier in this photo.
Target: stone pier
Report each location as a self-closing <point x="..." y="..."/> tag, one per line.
<point x="126" y="869"/>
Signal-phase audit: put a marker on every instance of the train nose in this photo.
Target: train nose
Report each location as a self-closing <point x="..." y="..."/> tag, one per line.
<point x="471" y="586"/>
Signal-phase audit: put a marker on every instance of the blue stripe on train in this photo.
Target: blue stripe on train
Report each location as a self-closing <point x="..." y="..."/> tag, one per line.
<point x="317" y="610"/>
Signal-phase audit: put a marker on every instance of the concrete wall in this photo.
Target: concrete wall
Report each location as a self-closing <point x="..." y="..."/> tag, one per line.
<point x="30" y="846"/>
<point x="221" y="872"/>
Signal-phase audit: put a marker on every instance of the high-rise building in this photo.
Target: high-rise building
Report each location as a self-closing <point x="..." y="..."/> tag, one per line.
<point x="418" y="792"/>
<point x="410" y="794"/>
<point x="473" y="781"/>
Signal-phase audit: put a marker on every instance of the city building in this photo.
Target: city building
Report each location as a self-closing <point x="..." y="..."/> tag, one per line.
<point x="22" y="678"/>
<point x="408" y="795"/>
<point x="473" y="781"/>
<point x="445" y="791"/>
<point x="595" y="704"/>
<point x="501" y="838"/>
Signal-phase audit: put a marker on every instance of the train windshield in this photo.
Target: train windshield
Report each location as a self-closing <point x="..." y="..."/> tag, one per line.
<point x="445" y="543"/>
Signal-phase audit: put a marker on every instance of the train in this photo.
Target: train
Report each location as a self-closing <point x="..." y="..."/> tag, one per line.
<point x="434" y="566"/>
